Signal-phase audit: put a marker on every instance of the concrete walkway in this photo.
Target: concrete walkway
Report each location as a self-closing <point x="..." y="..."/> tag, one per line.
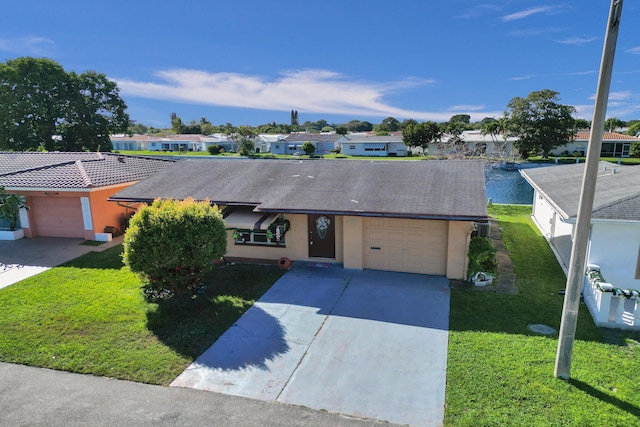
<point x="24" y="258"/>
<point x="369" y="344"/>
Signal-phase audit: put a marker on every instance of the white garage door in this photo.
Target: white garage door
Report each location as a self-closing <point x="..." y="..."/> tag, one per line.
<point x="409" y="245"/>
<point x="57" y="216"/>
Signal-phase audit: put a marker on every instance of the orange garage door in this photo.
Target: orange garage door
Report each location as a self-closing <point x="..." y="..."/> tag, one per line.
<point x="56" y="216"/>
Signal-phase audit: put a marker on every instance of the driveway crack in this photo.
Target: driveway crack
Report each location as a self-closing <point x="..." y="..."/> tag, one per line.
<point x="324" y="320"/>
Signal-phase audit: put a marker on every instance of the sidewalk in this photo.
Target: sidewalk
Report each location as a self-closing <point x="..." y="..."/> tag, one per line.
<point x="35" y="396"/>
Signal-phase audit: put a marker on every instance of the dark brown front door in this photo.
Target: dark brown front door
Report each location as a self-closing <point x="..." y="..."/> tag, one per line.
<point x="322" y="236"/>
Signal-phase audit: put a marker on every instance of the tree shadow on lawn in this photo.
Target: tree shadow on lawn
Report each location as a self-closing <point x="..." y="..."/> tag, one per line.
<point x="190" y="324"/>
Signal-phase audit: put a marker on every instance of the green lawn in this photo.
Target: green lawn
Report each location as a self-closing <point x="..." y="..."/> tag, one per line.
<point x="500" y="373"/>
<point x="89" y="316"/>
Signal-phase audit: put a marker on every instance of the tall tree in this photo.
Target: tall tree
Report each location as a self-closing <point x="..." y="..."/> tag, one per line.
<point x="44" y="107"/>
<point x="613" y="123"/>
<point x="421" y="135"/>
<point x="539" y="122"/>
<point x="634" y="129"/>
<point x="390" y="124"/>
<point x="94" y="111"/>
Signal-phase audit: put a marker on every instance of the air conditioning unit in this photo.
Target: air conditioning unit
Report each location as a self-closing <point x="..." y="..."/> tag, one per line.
<point x="482" y="229"/>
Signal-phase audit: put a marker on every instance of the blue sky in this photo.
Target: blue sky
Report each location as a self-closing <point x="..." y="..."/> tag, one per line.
<point x="253" y="61"/>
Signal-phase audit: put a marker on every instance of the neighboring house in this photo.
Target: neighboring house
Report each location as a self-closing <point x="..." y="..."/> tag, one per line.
<point x="365" y="144"/>
<point x="474" y="142"/>
<point x="66" y="193"/>
<point x="401" y="216"/>
<point x="264" y="140"/>
<point x="184" y="142"/>
<point x="292" y="143"/>
<point x="614" y="238"/>
<point x="613" y="145"/>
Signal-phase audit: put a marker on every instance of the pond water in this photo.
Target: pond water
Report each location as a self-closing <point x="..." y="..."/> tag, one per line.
<point x="507" y="186"/>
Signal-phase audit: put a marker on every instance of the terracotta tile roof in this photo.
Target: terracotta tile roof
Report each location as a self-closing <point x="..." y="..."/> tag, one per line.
<point x="445" y="189"/>
<point x="74" y="170"/>
<point x="583" y="135"/>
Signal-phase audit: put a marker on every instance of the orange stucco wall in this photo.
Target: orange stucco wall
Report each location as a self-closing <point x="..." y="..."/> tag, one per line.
<point x="103" y="213"/>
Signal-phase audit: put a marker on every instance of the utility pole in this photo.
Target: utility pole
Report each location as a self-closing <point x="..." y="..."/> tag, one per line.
<point x="583" y="223"/>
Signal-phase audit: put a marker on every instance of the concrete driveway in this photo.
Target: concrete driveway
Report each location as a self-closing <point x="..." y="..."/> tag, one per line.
<point x="24" y="258"/>
<point x="369" y="344"/>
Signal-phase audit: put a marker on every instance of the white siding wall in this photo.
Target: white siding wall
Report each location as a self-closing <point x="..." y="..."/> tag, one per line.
<point x="614" y="247"/>
<point x="542" y="214"/>
<point x="552" y="227"/>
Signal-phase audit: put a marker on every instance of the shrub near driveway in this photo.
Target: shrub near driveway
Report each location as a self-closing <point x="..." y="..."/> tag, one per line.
<point x="500" y="373"/>
<point x="89" y="316"/>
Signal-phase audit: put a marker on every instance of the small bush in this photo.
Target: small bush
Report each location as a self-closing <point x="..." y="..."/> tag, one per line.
<point x="482" y="256"/>
<point x="214" y="149"/>
<point x="308" y="147"/>
<point x="634" y="151"/>
<point x="171" y="244"/>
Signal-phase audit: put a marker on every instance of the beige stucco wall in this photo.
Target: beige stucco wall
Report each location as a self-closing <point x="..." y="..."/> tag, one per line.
<point x="457" y="249"/>
<point x="352" y="243"/>
<point x="296" y="243"/>
<point x="349" y="244"/>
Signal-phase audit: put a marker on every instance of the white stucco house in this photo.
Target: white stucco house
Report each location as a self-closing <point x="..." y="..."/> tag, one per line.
<point x="613" y="145"/>
<point x="369" y="144"/>
<point x="613" y="293"/>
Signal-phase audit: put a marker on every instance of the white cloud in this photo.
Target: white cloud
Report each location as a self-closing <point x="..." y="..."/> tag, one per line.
<point x="526" y="13"/>
<point x="517" y="78"/>
<point x="478" y="11"/>
<point x="577" y="40"/>
<point x="28" y="45"/>
<point x="617" y="96"/>
<point x="634" y="50"/>
<point x="466" y="108"/>
<point x="310" y="91"/>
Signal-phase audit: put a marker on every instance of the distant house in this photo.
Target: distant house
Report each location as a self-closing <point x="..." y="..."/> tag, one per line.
<point x="613" y="145"/>
<point x="369" y="144"/>
<point x="292" y="143"/>
<point x="474" y="142"/>
<point x="614" y="238"/>
<point x="185" y="142"/>
<point x="364" y="215"/>
<point x="66" y="193"/>
<point x="263" y="142"/>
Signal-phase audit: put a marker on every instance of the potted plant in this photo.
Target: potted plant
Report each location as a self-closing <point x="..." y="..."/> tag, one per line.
<point x="10" y="205"/>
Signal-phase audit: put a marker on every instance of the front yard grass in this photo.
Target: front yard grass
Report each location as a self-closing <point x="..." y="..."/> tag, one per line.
<point x="89" y="316"/>
<point x="500" y="373"/>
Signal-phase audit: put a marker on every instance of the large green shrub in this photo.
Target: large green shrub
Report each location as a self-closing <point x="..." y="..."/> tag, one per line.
<point x="634" y="151"/>
<point x="171" y="244"/>
<point x="482" y="256"/>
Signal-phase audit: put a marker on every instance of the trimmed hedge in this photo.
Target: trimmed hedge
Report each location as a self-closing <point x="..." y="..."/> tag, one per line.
<point x="171" y="244"/>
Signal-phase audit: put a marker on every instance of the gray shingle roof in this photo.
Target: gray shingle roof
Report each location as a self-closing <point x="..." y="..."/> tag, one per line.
<point x="312" y="137"/>
<point x="617" y="194"/>
<point x="412" y="189"/>
<point x="373" y="138"/>
<point x="41" y="170"/>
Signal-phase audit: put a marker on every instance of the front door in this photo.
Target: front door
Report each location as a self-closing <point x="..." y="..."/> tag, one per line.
<point x="322" y="236"/>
